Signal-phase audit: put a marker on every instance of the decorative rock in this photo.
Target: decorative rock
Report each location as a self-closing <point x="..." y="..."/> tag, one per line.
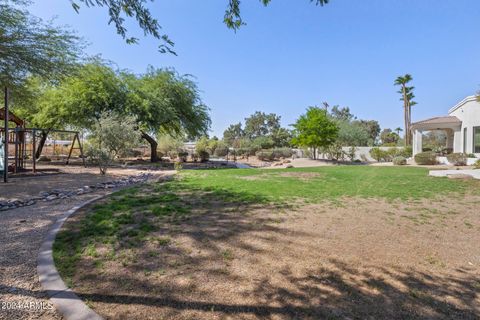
<point x="51" y="197"/>
<point x="63" y="194"/>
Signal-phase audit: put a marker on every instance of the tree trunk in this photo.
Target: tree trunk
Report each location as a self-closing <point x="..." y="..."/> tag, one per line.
<point x="41" y="143"/>
<point x="153" y="147"/>
<point x="405" y="115"/>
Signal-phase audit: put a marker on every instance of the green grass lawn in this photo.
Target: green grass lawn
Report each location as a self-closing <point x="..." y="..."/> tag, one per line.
<point x="131" y="215"/>
<point x="328" y="183"/>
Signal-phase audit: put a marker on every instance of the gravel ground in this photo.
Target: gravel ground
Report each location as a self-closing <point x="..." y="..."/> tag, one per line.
<point x="22" y="232"/>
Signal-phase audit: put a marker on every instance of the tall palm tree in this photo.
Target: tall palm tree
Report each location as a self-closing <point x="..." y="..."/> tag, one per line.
<point x="407" y="98"/>
<point x="398" y="130"/>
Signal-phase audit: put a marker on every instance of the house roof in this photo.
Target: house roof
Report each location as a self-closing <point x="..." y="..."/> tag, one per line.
<point x="438" y="121"/>
<point x="463" y="102"/>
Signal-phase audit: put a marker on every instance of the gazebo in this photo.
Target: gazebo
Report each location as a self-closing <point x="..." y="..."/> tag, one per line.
<point x="462" y="126"/>
<point x="449" y="124"/>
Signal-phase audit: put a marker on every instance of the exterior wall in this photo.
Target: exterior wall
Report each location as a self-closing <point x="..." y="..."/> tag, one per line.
<point x="361" y="153"/>
<point x="468" y="112"/>
<point x="458" y="142"/>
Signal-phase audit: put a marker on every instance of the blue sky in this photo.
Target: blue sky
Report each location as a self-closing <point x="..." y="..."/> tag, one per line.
<point x="292" y="54"/>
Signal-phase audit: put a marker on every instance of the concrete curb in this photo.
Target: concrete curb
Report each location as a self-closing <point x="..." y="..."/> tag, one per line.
<point x="68" y="304"/>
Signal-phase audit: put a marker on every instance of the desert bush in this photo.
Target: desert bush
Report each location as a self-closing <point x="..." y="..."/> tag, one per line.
<point x="265" y="155"/>
<point x="221" y="150"/>
<point x="385" y="155"/>
<point x="351" y="153"/>
<point x="169" y="145"/>
<point x="112" y="136"/>
<point x="457" y="159"/>
<point x="377" y="154"/>
<point x="334" y="152"/>
<point x="204" y="156"/>
<point x="405" y="152"/>
<point x="426" y="158"/>
<point x="307" y="153"/>
<point x="399" y="161"/>
<point x="178" y="166"/>
<point x="476" y="165"/>
<point x="282" y="153"/>
<point x="390" y="153"/>
<point x="135" y="153"/>
<point x="261" y="143"/>
<point x="183" y="156"/>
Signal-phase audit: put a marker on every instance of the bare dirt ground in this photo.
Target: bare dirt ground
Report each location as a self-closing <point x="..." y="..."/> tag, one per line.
<point x="59" y="177"/>
<point x="23" y="230"/>
<point x="354" y="259"/>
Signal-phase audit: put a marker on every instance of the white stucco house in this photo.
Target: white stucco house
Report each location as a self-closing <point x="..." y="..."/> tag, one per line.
<point x="462" y="126"/>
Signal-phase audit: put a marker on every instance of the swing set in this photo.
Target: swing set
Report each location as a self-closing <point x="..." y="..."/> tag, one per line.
<point x="28" y="144"/>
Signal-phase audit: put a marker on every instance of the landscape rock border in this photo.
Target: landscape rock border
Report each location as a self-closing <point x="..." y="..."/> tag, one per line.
<point x="68" y="193"/>
<point x="66" y="302"/>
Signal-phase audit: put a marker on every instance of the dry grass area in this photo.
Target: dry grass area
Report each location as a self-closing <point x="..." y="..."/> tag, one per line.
<point x="351" y="259"/>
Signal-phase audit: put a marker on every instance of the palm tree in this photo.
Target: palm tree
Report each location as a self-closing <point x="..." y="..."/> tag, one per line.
<point x="398" y="130"/>
<point x="407" y="98"/>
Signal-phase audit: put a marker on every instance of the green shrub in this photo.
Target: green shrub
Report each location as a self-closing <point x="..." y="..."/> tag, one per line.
<point x="477" y="164"/>
<point x="282" y="153"/>
<point x="426" y="158"/>
<point x="457" y="159"/>
<point x="204" y="156"/>
<point x="405" y="152"/>
<point x="399" y="161"/>
<point x="376" y="153"/>
<point x="183" y="156"/>
<point x="383" y="155"/>
<point x="471" y="155"/>
<point x="265" y="155"/>
<point x="221" y="150"/>
<point x="351" y="153"/>
<point x="334" y="152"/>
<point x="178" y="166"/>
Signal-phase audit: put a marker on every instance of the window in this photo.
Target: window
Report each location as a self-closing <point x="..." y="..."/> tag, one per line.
<point x="476" y="139"/>
<point x="465" y="140"/>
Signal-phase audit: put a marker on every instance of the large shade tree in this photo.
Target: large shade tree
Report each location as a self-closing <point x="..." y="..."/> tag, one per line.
<point x="164" y="101"/>
<point x="160" y="100"/>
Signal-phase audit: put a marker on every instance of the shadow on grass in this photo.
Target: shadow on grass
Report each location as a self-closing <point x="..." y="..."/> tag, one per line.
<point x="217" y="220"/>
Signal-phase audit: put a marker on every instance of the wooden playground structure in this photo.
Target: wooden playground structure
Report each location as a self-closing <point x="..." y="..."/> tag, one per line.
<point x="28" y="144"/>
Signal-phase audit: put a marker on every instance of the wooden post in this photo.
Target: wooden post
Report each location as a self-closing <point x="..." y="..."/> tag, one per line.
<point x="71" y="149"/>
<point x="5" y="171"/>
<point x="16" y="151"/>
<point x="34" y="147"/>
<point x="81" y="150"/>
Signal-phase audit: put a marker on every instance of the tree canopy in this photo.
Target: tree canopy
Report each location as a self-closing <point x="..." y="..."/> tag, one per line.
<point x="315" y="129"/>
<point x="161" y="100"/>
<point x="138" y="10"/>
<point x="30" y="46"/>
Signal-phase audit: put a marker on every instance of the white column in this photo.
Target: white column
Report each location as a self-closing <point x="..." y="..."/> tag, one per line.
<point x="417" y="142"/>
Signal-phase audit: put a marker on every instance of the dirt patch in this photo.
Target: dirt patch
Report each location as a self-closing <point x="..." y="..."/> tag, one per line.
<point x="460" y="176"/>
<point x="255" y="177"/>
<point x="301" y="175"/>
<point x="350" y="259"/>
